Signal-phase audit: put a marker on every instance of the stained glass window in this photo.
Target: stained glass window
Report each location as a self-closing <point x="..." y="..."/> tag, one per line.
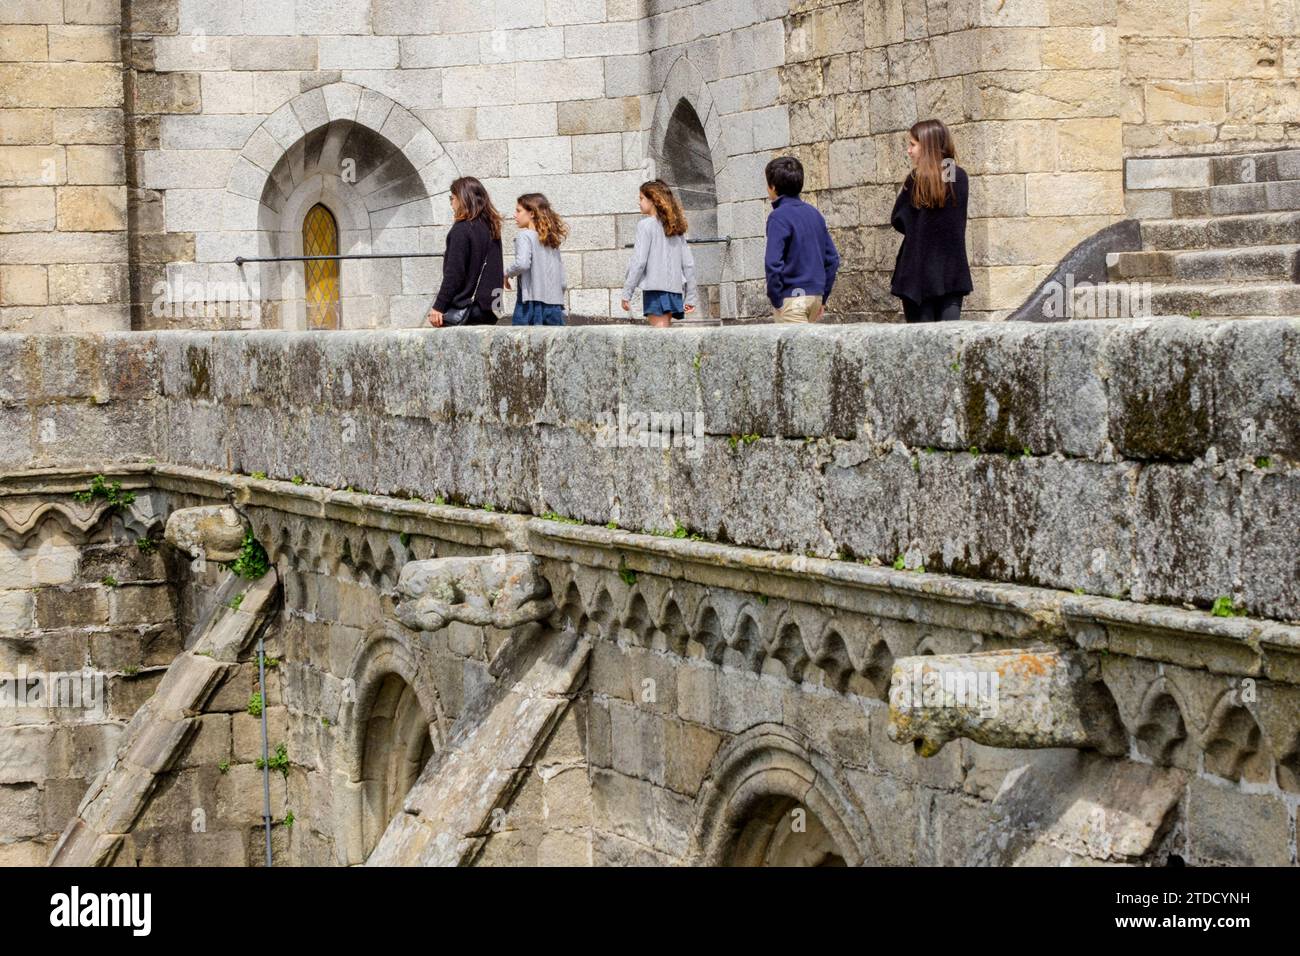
<point x="320" y="237"/>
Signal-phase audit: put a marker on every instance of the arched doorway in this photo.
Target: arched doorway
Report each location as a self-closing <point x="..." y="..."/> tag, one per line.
<point x="771" y="800"/>
<point x="781" y="832"/>
<point x="396" y="745"/>
<point x="320" y="237"/>
<point x="687" y="166"/>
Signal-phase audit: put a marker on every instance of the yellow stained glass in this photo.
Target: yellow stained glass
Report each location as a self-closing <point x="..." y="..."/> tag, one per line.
<point x="320" y="237"/>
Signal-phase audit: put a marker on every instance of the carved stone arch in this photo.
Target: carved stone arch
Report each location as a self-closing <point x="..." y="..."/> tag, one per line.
<point x="369" y="161"/>
<point x="752" y="796"/>
<point x="569" y="613"/>
<point x="789" y="648"/>
<point x="708" y="635"/>
<point x="23" y="518"/>
<point x="600" y="610"/>
<point x="1160" y="726"/>
<point x="687" y="152"/>
<point x="670" y="626"/>
<point x="392" y="722"/>
<point x="877" y="669"/>
<point x="635" y="618"/>
<point x="830" y="654"/>
<point x="1233" y="745"/>
<point x="745" y="649"/>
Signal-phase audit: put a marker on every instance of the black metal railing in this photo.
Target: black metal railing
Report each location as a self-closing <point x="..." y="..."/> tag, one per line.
<point x="240" y="260"/>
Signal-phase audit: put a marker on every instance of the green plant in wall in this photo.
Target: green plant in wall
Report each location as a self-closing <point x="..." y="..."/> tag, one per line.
<point x="255" y="704"/>
<point x="279" y="760"/>
<point x="298" y="480"/>
<point x="224" y="766"/>
<point x="235" y="601"/>
<point x="100" y="487"/>
<point x="109" y="581"/>
<point x="252" y="562"/>
<point x="562" y="519"/>
<point x="1224" y="607"/>
<point x="627" y="575"/>
<point x="130" y="670"/>
<point x="146" y="545"/>
<point x="259" y="475"/>
<point x="288" y="820"/>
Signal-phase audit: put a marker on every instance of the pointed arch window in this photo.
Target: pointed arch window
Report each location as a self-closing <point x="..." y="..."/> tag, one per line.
<point x="320" y="237"/>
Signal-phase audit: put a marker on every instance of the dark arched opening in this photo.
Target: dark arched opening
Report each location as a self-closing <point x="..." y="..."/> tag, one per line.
<point x="397" y="745"/>
<point x="688" y="168"/>
<point x="779" y="831"/>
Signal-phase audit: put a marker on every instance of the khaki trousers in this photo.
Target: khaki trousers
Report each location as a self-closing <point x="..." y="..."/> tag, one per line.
<point x="803" y="308"/>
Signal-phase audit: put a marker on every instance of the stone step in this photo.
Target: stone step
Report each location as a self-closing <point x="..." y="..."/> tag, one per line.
<point x="1269" y="167"/>
<point x="1191" y="172"/>
<point x="1236" y="199"/>
<point x="1278" y="264"/>
<point x="1257" y="229"/>
<point x="1144" y="299"/>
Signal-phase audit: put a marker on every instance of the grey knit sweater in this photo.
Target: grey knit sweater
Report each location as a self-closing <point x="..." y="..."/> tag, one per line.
<point x="660" y="263"/>
<point x="539" y="268"/>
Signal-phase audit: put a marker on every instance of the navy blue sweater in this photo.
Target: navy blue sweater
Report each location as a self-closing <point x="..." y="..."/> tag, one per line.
<point x="801" y="257"/>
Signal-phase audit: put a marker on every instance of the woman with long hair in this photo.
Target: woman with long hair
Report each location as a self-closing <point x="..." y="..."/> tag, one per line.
<point x="472" y="267"/>
<point x="537" y="262"/>
<point x="661" y="260"/>
<point x="932" y="273"/>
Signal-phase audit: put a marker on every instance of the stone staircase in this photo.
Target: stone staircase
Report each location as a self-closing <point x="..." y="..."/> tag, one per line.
<point x="1220" y="235"/>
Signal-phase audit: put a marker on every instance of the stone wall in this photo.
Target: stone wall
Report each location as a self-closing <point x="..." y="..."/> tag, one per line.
<point x="237" y="122"/>
<point x="63" y="196"/>
<point x="1031" y="92"/>
<point x="1152" y="460"/>
<point x="726" y="691"/>
<point x="1211" y="76"/>
<point x="90" y="618"/>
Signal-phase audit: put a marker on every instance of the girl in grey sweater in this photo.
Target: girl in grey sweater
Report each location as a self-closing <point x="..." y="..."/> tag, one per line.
<point x="661" y="260"/>
<point x="537" y="262"/>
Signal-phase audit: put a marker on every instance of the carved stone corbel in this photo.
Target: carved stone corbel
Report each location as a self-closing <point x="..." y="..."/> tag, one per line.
<point x="503" y="591"/>
<point x="1013" y="699"/>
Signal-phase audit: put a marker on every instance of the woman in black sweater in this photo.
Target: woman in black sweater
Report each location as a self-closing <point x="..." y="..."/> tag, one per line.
<point x="472" y="267"/>
<point x="931" y="273"/>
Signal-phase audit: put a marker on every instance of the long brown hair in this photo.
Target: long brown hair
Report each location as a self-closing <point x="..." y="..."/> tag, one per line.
<point x="475" y="203"/>
<point x="548" y="225"/>
<point x="668" y="210"/>
<point x="930" y="186"/>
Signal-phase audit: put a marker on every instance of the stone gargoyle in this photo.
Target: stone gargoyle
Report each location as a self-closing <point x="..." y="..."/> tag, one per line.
<point x="214" y="531"/>
<point x="1025" y="698"/>
<point x="502" y="591"/>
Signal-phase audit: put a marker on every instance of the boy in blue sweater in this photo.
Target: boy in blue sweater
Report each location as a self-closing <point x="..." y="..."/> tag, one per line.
<point x="801" y="259"/>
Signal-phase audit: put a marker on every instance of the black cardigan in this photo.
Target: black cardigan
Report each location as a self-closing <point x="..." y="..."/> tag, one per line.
<point x="932" y="260"/>
<point x="469" y="243"/>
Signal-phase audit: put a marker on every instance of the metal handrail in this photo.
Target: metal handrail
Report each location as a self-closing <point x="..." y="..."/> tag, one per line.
<point x="240" y="260"/>
<point x="632" y="245"/>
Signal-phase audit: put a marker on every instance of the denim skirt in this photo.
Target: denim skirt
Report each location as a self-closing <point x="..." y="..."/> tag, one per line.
<point x="662" y="303"/>
<point x="537" y="313"/>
